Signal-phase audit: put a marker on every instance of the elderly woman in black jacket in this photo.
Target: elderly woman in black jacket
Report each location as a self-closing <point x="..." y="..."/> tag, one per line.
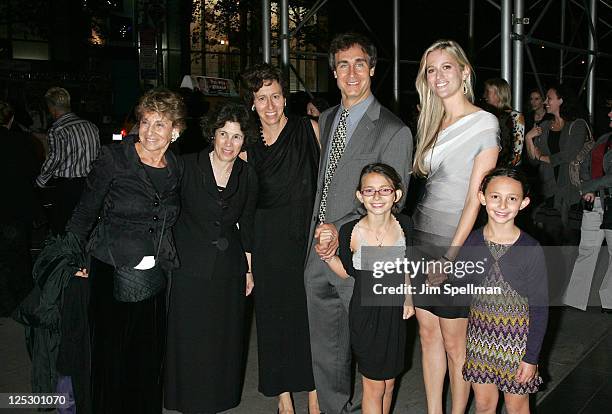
<point x="131" y="201"/>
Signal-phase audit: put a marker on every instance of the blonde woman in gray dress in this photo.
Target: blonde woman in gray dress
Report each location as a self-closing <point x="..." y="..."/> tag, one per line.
<point x="457" y="144"/>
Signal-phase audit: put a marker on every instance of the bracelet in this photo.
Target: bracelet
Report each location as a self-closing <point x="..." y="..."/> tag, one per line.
<point x="445" y="257"/>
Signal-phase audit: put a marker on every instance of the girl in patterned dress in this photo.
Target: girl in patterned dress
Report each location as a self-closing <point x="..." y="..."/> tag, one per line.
<point x="505" y="328"/>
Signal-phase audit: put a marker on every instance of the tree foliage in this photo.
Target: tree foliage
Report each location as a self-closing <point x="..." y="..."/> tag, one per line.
<point x="225" y="20"/>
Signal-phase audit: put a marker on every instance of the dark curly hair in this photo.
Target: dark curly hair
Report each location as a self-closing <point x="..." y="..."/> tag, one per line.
<point x="229" y="112"/>
<point x="506" y="172"/>
<point x="390" y="174"/>
<point x="344" y="41"/>
<point x="259" y="75"/>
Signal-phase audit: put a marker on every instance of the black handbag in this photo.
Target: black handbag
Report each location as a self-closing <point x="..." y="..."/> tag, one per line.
<point x="135" y="285"/>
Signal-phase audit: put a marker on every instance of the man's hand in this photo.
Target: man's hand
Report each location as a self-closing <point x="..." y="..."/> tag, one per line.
<point x="326" y="235"/>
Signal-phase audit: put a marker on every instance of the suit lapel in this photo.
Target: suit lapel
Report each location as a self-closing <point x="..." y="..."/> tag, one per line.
<point x="360" y="141"/>
<point x="326" y="133"/>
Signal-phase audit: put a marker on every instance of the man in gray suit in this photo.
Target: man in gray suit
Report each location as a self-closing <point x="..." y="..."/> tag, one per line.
<point x="355" y="133"/>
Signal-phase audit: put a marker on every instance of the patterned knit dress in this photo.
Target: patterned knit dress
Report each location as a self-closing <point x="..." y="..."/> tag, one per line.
<point x="498" y="327"/>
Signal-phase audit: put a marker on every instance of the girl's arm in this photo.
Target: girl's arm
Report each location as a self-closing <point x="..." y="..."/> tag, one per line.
<point x="408" y="303"/>
<point x="537" y="292"/>
<point x="338" y="263"/>
<point x="335" y="264"/>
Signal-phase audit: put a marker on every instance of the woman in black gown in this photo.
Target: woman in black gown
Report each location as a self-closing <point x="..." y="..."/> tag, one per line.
<point x="286" y="160"/>
<point x="205" y="346"/>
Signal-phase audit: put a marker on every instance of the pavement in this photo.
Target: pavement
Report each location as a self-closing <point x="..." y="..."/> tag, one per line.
<point x="576" y="365"/>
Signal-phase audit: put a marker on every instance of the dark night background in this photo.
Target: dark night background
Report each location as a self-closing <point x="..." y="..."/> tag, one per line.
<point x="104" y="78"/>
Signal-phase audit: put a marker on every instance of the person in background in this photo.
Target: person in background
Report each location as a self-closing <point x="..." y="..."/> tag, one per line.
<point x="16" y="212"/>
<point x="457" y="144"/>
<point x="131" y="201"/>
<point x="315" y="106"/>
<point x="511" y="122"/>
<point x="553" y="145"/>
<point x="594" y="228"/>
<point x="73" y="147"/>
<point x="537" y="112"/>
<point x="286" y="159"/>
<point x="206" y="318"/>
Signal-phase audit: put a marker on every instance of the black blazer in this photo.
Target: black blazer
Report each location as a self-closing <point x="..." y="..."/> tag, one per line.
<point x="212" y="222"/>
<point x="129" y="212"/>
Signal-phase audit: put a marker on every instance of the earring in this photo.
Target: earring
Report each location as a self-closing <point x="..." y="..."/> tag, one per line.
<point x="253" y="108"/>
<point x="175" y="135"/>
<point x="465" y="89"/>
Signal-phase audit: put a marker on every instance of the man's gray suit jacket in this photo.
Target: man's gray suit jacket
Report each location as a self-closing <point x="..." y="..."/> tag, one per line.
<point x="380" y="136"/>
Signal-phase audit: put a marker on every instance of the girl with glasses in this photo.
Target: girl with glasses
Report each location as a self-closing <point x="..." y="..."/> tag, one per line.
<point x="378" y="333"/>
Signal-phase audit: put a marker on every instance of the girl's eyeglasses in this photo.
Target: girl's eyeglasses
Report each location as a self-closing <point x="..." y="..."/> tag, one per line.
<point x="369" y="192"/>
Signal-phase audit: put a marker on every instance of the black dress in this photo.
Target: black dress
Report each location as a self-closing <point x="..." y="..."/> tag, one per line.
<point x="287" y="174"/>
<point x="378" y="333"/>
<point x="205" y="346"/>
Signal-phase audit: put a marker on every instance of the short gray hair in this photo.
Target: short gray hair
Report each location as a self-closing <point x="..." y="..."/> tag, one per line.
<point x="58" y="98"/>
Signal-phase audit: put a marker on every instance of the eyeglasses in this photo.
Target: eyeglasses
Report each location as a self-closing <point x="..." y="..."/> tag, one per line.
<point x="369" y="192"/>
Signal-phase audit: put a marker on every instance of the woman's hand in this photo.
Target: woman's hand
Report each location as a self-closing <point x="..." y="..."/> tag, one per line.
<point x="408" y="311"/>
<point x="250" y="283"/>
<point x="534" y="132"/>
<point x="525" y="372"/>
<point x="437" y="275"/>
<point x="590" y="197"/>
<point x="82" y="273"/>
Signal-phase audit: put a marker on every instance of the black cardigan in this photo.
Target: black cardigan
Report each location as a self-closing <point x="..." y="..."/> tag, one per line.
<point x="214" y="223"/>
<point x="129" y="212"/>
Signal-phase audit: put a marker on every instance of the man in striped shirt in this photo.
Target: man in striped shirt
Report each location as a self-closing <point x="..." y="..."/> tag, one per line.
<point x="74" y="144"/>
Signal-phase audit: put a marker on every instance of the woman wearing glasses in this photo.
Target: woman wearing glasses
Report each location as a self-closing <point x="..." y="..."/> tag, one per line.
<point x="457" y="144"/>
